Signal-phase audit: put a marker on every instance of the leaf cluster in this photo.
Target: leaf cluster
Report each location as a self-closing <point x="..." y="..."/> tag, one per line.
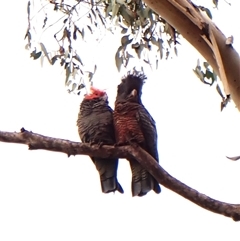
<point x="145" y="35"/>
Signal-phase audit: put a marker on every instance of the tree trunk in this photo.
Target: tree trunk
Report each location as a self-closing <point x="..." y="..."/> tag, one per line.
<point x="203" y="34"/>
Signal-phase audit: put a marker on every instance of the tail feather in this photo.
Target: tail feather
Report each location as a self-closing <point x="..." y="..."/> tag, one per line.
<point x="107" y="169"/>
<point x="111" y="185"/>
<point x="142" y="180"/>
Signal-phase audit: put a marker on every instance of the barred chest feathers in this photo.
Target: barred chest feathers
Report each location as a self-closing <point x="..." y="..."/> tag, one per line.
<point x="126" y="123"/>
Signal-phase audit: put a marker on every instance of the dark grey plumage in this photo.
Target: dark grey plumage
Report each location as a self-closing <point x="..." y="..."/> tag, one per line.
<point x="95" y="126"/>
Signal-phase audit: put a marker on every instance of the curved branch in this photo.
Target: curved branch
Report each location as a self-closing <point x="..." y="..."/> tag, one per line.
<point x="205" y="36"/>
<point x="36" y="141"/>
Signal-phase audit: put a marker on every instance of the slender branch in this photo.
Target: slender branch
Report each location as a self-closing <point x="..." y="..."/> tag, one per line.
<point x="36" y="141"/>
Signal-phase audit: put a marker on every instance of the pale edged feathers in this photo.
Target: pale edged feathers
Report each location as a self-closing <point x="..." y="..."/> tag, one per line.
<point x="95" y="126"/>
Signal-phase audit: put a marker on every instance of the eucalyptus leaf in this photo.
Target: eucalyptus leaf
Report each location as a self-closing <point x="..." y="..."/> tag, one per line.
<point x="125" y="40"/>
<point x="118" y="59"/>
<point x="220" y="91"/>
<point x="108" y="10"/>
<point x="175" y="50"/>
<point x="124" y="30"/>
<point x="77" y="57"/>
<point x="115" y="8"/>
<point x="206" y="64"/>
<point x="68" y="72"/>
<point x="35" y="55"/>
<point x="28" y="7"/>
<point x="119" y="62"/>
<point x="160" y="41"/>
<point x="41" y="60"/>
<point x="139" y="50"/>
<point x="208" y="74"/>
<point x="45" y="52"/>
<point x="74" y="85"/>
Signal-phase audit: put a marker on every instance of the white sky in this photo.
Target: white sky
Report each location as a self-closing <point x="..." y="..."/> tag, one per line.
<point x="47" y="196"/>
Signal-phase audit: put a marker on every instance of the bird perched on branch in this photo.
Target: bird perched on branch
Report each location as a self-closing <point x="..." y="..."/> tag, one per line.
<point x="95" y="126"/>
<point x="134" y="125"/>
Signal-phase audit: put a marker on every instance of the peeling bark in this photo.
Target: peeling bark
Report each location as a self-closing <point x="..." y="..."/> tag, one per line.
<point x="36" y="141"/>
<point x="205" y="36"/>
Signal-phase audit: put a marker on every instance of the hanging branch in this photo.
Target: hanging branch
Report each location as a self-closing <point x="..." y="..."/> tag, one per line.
<point x="36" y="142"/>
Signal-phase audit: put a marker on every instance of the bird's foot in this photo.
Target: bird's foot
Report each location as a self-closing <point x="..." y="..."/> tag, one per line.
<point x="119" y="144"/>
<point x="100" y="144"/>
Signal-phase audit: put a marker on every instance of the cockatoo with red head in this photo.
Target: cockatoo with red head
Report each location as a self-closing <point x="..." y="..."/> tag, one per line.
<point x="95" y="126"/>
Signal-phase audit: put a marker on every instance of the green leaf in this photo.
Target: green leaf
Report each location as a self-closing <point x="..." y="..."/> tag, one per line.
<point x="82" y="33"/>
<point x="54" y="59"/>
<point x="220" y="91"/>
<point x="115" y="8"/>
<point x="154" y="41"/>
<point x="143" y="14"/>
<point x="125" y="40"/>
<point x="135" y="45"/>
<point x="108" y="10"/>
<point x="95" y="69"/>
<point x="81" y="86"/>
<point x="45" y="52"/>
<point x="93" y="13"/>
<point x="45" y="21"/>
<point x="215" y="2"/>
<point x="77" y="57"/>
<point x="90" y="76"/>
<point x="126" y="14"/>
<point x="206" y="64"/>
<point x="208" y="12"/>
<point x="56" y="7"/>
<point x="118" y="59"/>
<point x="35" y="55"/>
<point x="175" y="50"/>
<point x="160" y="41"/>
<point x="198" y="64"/>
<point x="102" y="19"/>
<point x="74" y="85"/>
<point x="214" y="76"/>
<point x="68" y="72"/>
<point x="225" y="102"/>
<point x="119" y="62"/>
<point x="27" y="47"/>
<point x="28" y="8"/>
<point x="199" y="74"/>
<point x="208" y="74"/>
<point x="68" y="83"/>
<point x="129" y="55"/>
<point x="90" y="29"/>
<point x="74" y="73"/>
<point x="139" y="50"/>
<point x="124" y="30"/>
<point x="42" y="59"/>
<point x="75" y="32"/>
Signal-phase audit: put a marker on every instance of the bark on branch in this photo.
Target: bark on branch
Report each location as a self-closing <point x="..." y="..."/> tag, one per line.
<point x="36" y="141"/>
<point x="204" y="35"/>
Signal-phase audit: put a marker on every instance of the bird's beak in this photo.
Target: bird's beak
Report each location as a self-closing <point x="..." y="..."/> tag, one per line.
<point x="133" y="93"/>
<point x="105" y="97"/>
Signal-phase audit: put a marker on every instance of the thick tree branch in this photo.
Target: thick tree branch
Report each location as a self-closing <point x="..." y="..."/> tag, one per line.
<point x="36" y="141"/>
<point x="205" y="36"/>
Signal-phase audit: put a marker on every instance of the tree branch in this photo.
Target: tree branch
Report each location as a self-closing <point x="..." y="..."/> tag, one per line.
<point x="199" y="31"/>
<point x="36" y="141"/>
